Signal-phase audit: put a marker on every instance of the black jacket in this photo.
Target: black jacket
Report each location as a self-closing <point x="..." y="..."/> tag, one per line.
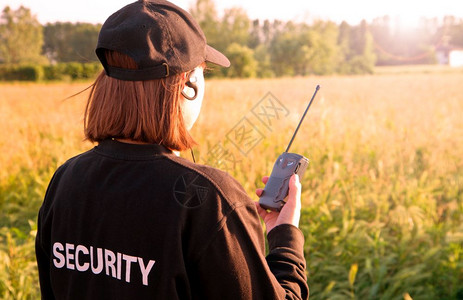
<point x="125" y="221"/>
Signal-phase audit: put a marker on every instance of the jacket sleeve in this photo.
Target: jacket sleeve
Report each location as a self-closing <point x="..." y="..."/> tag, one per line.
<point x="234" y="266"/>
<point x="286" y="259"/>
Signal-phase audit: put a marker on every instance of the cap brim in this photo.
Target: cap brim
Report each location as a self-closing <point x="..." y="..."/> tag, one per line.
<point x="216" y="57"/>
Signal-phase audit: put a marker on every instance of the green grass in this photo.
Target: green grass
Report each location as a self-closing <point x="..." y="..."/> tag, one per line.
<point x="382" y="197"/>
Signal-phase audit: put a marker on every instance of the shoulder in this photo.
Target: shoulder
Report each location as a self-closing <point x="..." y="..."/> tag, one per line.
<point x="72" y="161"/>
<point x="73" y="168"/>
<point x="223" y="183"/>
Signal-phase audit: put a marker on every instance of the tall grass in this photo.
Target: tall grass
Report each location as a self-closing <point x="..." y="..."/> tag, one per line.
<point x="382" y="197"/>
<point x="40" y="131"/>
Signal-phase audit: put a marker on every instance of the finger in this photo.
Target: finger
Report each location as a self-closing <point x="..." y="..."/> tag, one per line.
<point x="262" y="212"/>
<point x="259" y="192"/>
<point x="265" y="179"/>
<point x="294" y="194"/>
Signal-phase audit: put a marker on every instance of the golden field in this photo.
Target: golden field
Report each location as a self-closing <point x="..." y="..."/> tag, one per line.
<point x="382" y="196"/>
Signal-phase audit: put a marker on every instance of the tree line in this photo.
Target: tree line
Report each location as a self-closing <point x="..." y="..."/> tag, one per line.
<point x="256" y="48"/>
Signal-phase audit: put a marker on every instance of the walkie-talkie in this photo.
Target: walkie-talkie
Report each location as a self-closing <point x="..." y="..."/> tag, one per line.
<point x="287" y="164"/>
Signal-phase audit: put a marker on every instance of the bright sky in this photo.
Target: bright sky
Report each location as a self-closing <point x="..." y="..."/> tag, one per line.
<point x="352" y="11"/>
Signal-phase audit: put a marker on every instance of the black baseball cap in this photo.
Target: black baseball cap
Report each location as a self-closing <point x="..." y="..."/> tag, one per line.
<point x="160" y="37"/>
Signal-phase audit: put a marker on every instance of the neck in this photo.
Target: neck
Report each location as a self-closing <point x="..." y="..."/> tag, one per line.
<point x="129" y="141"/>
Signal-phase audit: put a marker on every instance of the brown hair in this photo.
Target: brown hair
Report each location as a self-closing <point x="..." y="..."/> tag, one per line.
<point x="144" y="111"/>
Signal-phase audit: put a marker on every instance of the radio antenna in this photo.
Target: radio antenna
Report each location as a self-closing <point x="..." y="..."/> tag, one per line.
<point x="302" y="119"/>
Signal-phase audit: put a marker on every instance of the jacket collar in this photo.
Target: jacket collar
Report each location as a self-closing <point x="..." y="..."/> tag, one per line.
<point x="111" y="147"/>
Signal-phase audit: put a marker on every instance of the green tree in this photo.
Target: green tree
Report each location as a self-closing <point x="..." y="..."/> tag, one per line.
<point x="255" y="35"/>
<point x="357" y="49"/>
<point x="364" y="42"/>
<point x="326" y="54"/>
<point x="70" y="42"/>
<point x="21" y="37"/>
<point x="300" y="49"/>
<point x="285" y="51"/>
<point x="264" y="66"/>
<point x="285" y="48"/>
<point x="235" y="27"/>
<point x="205" y="14"/>
<point x="242" y="61"/>
<point x="344" y="46"/>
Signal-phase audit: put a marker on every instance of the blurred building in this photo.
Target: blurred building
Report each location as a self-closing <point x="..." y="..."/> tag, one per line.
<point x="449" y="55"/>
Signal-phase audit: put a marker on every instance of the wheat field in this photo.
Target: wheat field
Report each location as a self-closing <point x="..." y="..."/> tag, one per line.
<point x="382" y="196"/>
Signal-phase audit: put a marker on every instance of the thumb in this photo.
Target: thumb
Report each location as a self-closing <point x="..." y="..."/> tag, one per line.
<point x="294" y="194"/>
<point x="291" y="211"/>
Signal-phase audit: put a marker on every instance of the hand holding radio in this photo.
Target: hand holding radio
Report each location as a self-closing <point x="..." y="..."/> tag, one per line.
<point x="291" y="211"/>
<point x="276" y="190"/>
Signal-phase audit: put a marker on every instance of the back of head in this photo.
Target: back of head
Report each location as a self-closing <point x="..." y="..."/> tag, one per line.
<point x="145" y="47"/>
<point x="145" y="111"/>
